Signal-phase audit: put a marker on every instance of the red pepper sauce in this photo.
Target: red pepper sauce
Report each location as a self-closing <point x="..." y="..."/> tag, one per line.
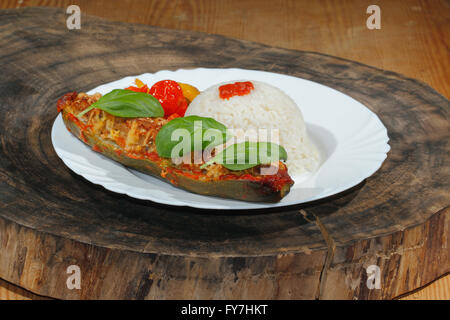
<point x="186" y="174"/>
<point x="153" y="156"/>
<point x="135" y="156"/>
<point x="83" y="127"/>
<point x="235" y="89"/>
<point x="120" y="141"/>
<point x="276" y="181"/>
<point x="279" y="180"/>
<point x="64" y="99"/>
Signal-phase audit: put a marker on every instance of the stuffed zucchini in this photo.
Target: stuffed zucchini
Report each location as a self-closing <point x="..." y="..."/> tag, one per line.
<point x="132" y="141"/>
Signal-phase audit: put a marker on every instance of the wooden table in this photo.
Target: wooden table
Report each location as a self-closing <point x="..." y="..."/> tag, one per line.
<point x="412" y="39"/>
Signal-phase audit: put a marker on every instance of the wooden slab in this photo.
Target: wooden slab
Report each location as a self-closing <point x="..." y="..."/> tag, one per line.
<point x="50" y="218"/>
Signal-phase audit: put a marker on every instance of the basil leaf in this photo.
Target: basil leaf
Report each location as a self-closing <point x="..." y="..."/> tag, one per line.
<point x="245" y="155"/>
<point x="128" y="104"/>
<point x="198" y="133"/>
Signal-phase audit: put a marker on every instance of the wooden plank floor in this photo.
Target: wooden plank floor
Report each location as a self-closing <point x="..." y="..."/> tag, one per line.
<point x="413" y="40"/>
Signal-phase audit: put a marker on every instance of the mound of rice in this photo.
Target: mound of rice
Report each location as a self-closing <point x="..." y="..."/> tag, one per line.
<point x="264" y="107"/>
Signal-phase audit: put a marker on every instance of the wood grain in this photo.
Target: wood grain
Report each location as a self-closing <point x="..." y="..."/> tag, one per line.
<point x="9" y="291"/>
<point x="413" y="39"/>
<point x="438" y="290"/>
<point x="50" y="218"/>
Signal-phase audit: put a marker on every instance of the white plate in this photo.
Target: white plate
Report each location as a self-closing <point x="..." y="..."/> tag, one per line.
<point x="351" y="139"/>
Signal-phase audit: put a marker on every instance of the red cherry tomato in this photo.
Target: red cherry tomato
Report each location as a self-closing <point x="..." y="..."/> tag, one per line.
<point x="170" y="95"/>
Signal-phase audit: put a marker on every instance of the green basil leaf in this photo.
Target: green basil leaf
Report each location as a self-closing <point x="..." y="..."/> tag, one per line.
<point x="198" y="132"/>
<point x="245" y="155"/>
<point x="128" y="104"/>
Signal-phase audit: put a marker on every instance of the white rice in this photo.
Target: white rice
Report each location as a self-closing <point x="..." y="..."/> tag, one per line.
<point x="265" y="107"/>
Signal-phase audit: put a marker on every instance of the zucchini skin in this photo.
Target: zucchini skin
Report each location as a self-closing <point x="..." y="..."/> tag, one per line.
<point x="242" y="189"/>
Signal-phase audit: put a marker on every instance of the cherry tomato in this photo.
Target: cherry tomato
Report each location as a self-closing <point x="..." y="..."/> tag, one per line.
<point x="170" y="95"/>
<point x="189" y="92"/>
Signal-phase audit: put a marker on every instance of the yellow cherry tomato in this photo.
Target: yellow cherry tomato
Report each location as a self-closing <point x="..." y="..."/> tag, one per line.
<point x="189" y="92"/>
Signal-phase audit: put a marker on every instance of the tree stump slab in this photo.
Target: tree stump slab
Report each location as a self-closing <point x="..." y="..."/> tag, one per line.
<point x="50" y="218"/>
